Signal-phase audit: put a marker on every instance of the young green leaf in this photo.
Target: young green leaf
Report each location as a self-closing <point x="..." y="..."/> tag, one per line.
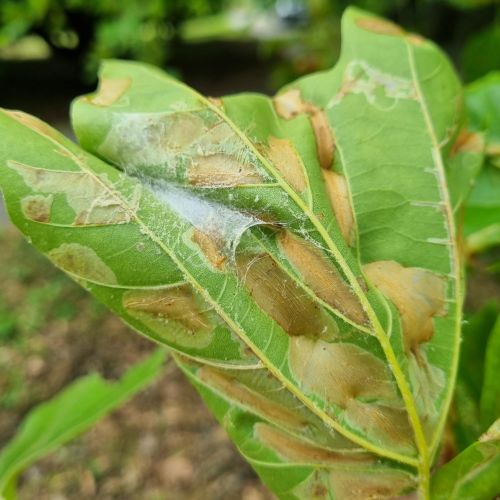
<point x="477" y="359"/>
<point x="68" y="414"/>
<point x="490" y="394"/>
<point x="482" y="215"/>
<point x="298" y="253"/>
<point x="474" y="473"/>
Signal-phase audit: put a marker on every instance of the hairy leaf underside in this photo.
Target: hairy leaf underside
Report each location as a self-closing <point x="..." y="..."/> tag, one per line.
<point x="298" y="254"/>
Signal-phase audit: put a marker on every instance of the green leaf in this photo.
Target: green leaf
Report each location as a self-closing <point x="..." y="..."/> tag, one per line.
<point x="482" y="215"/>
<point x="490" y="394"/>
<point x="468" y="420"/>
<point x="474" y="473"/>
<point x="68" y="414"/>
<point x="298" y="253"/>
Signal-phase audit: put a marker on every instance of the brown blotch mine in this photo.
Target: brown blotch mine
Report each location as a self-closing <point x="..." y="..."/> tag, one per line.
<point x="221" y="170"/>
<point x="34" y="124"/>
<point x="37" y="207"/>
<point x="182" y="129"/>
<point x="338" y="193"/>
<point x="468" y="142"/>
<point x="321" y="276"/>
<point x="109" y="91"/>
<point x="290" y="104"/>
<point x="270" y="410"/>
<point x="176" y="304"/>
<point x="381" y="423"/>
<point x="324" y="138"/>
<point x="418" y="294"/>
<point x="287" y="161"/>
<point x="380" y="26"/>
<point x="339" y="371"/>
<point x="294" y="449"/>
<point x="282" y="299"/>
<point x="210" y="247"/>
<point x="370" y="485"/>
<point x="217" y="102"/>
<point x="82" y="262"/>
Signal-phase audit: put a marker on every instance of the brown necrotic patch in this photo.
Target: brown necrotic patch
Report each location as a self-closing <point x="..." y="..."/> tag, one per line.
<point x="174" y="313"/>
<point x="37" y="207"/>
<point x="279" y="296"/>
<point x="468" y="142"/>
<point x="321" y="276"/>
<point x="109" y="91"/>
<point x="286" y="160"/>
<point x="290" y="104"/>
<point x="35" y="124"/>
<point x="358" y="485"/>
<point x="358" y="383"/>
<point x="380" y="26"/>
<point x="82" y="262"/>
<point x="381" y="423"/>
<point x="324" y="137"/>
<point x="221" y="170"/>
<point x="339" y="372"/>
<point x="256" y="403"/>
<point x="210" y="247"/>
<point x="418" y="294"/>
<point x="338" y="193"/>
<point x="92" y="201"/>
<point x="293" y="449"/>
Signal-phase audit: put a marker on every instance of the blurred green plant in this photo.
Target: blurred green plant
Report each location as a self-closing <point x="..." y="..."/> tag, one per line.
<point x="302" y="36"/>
<point x="69" y="413"/>
<point x="482" y="215"/>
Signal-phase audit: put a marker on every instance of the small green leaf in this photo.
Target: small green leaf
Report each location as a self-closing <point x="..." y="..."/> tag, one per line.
<point x="482" y="215"/>
<point x="473" y="474"/>
<point x="70" y="413"/>
<point x="490" y="394"/>
<point x="466" y="416"/>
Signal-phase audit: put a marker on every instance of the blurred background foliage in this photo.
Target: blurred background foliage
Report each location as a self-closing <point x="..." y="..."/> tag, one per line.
<point x="299" y="36"/>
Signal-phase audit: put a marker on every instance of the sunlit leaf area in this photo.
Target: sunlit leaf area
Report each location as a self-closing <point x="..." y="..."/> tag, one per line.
<point x="250" y="249"/>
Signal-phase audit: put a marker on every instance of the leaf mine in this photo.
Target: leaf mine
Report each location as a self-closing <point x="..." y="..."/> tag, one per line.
<point x="82" y="262"/>
<point x="347" y="371"/>
<point x="321" y="276"/>
<point x="37" y="207"/>
<point x="380" y="26"/>
<point x="34" y="124"/>
<point x="282" y="299"/>
<point x="109" y="91"/>
<point x="418" y="294"/>
<point x="211" y="248"/>
<point x="297" y="450"/>
<point x="257" y="403"/>
<point x="338" y="193"/>
<point x="220" y="170"/>
<point x="90" y="199"/>
<point x="289" y="104"/>
<point x="286" y="160"/>
<point x="174" y="313"/>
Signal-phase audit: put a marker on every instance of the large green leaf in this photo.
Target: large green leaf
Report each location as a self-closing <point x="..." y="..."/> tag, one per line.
<point x="473" y="474"/>
<point x="68" y="414"/>
<point x="482" y="216"/>
<point x="299" y="254"/>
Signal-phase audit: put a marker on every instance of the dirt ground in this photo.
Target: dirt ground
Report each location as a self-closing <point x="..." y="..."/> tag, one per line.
<point x="163" y="444"/>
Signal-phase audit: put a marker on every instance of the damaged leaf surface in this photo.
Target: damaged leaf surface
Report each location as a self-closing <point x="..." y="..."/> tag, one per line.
<point x="297" y="253"/>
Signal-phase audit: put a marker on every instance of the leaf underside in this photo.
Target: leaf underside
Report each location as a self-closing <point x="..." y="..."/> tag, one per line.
<point x="298" y="254"/>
